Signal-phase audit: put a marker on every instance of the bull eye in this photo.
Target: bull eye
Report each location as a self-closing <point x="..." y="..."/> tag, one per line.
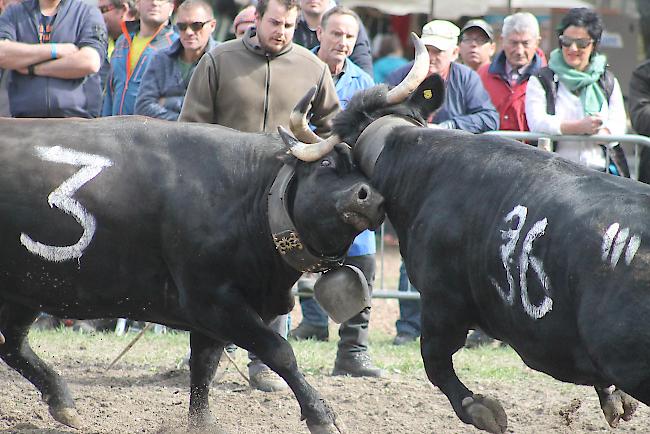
<point x="325" y="163"/>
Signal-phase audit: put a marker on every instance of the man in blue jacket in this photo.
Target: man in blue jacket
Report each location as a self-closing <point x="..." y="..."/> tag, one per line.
<point x="467" y="107"/>
<point x="133" y="51"/>
<point x="311" y="14"/>
<point x="165" y="81"/>
<point x="337" y="35"/>
<point x="53" y="50"/>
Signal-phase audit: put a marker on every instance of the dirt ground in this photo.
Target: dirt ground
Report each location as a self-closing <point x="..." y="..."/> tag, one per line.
<point x="138" y="399"/>
<point x="141" y="398"/>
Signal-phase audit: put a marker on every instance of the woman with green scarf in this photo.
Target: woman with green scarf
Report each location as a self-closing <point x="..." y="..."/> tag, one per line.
<point x="583" y="104"/>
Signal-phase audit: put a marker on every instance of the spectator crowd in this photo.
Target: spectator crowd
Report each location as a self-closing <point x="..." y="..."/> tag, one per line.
<point x="65" y="58"/>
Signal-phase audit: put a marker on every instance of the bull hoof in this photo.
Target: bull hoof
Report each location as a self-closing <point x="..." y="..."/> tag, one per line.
<point x="486" y="413"/>
<point x="326" y="429"/>
<point x="67" y="416"/>
<point x="619" y="405"/>
<point x="199" y="421"/>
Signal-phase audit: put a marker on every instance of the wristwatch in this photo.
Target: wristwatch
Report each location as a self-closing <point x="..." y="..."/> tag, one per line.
<point x="30" y="70"/>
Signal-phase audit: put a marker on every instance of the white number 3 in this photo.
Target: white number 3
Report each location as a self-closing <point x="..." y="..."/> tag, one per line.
<point x="62" y="199"/>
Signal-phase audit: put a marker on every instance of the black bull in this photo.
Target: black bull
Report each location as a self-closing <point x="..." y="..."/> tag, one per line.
<point x="163" y="222"/>
<point x="545" y="255"/>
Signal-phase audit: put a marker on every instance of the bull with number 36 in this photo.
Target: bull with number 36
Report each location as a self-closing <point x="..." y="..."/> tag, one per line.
<point x="546" y="255"/>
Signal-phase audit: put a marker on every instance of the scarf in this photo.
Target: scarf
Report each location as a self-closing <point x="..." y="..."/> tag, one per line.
<point x="585" y="83"/>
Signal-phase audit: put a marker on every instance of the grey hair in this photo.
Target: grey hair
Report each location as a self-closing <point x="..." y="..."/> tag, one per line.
<point x="521" y="22"/>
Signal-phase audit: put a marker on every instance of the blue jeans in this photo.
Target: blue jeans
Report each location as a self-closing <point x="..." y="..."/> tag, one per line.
<point x="409" y="310"/>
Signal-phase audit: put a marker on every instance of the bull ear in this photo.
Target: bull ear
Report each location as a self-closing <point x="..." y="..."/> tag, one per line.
<point x="429" y="95"/>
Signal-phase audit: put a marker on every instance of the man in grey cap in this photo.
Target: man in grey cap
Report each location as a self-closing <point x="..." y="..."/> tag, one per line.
<point x="476" y="43"/>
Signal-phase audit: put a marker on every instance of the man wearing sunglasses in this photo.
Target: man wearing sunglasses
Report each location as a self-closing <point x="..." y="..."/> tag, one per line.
<point x="166" y="79"/>
<point x="252" y="84"/>
<point x="52" y="50"/>
<point x="133" y="51"/>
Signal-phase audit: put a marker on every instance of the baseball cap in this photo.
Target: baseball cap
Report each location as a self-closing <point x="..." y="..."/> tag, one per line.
<point x="440" y="34"/>
<point x="246" y="15"/>
<point x="480" y="24"/>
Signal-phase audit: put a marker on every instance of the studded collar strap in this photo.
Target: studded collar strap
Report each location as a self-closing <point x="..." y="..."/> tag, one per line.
<point x="285" y="236"/>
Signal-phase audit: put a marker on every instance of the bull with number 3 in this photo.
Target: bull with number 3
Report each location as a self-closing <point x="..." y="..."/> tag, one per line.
<point x="198" y="227"/>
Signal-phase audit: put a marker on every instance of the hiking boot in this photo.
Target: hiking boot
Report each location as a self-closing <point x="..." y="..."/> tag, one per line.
<point x="477" y="338"/>
<point x="309" y="331"/>
<point x="262" y="378"/>
<point x="356" y="365"/>
<point x="404" y="338"/>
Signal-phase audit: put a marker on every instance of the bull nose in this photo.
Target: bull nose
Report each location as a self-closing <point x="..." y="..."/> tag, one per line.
<point x="363" y="192"/>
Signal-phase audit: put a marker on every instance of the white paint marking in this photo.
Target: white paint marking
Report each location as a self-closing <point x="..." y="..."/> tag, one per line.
<point x="608" y="239"/>
<point x="619" y="245"/>
<point x="632" y="247"/>
<point x="62" y="199"/>
<point x="534" y="311"/>
<point x="506" y="250"/>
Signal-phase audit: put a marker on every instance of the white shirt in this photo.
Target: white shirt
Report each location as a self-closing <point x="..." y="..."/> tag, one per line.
<point x="569" y="107"/>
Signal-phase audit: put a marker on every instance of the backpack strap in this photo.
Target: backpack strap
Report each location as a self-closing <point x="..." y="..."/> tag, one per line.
<point x="549" y="82"/>
<point x="606" y="83"/>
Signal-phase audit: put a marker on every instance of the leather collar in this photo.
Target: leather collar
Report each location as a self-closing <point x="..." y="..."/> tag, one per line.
<point x="285" y="236"/>
<point x="371" y="141"/>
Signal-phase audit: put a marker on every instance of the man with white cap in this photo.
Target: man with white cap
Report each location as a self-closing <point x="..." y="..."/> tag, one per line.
<point x="477" y="45"/>
<point x="467" y="106"/>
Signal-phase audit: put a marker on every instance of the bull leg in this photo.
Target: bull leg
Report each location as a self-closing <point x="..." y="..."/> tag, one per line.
<point x="238" y="322"/>
<point x="15" y="321"/>
<point x="442" y="336"/>
<point x="616" y="405"/>
<point x="204" y="359"/>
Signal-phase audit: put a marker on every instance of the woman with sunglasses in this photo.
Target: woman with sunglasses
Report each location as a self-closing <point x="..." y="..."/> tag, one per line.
<point x="576" y="94"/>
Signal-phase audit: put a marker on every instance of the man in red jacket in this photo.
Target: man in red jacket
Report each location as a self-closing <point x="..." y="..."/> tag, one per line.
<point x="506" y="78"/>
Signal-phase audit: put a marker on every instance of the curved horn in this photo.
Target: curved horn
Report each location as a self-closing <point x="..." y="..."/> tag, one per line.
<point x="2" y="339"/>
<point x="308" y="152"/>
<point x="415" y="76"/>
<point x="298" y="119"/>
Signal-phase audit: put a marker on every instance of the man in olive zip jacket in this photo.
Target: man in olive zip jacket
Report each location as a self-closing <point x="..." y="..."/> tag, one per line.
<point x="252" y="84"/>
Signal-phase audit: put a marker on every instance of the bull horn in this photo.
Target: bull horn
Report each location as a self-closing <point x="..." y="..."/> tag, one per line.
<point x="308" y="152"/>
<point x="416" y="75"/>
<point x="298" y="119"/>
<point x="2" y="339"/>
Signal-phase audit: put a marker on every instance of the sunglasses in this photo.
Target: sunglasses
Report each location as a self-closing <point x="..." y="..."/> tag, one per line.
<point x="106" y="8"/>
<point x="581" y="43"/>
<point x="195" y="26"/>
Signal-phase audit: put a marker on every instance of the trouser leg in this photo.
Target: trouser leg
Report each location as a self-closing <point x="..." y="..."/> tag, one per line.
<point x="409" y="310"/>
<point x="354" y="332"/>
<point x="312" y="312"/>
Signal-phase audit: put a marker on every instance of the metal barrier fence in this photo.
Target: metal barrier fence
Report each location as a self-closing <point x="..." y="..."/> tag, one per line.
<point x="631" y="139"/>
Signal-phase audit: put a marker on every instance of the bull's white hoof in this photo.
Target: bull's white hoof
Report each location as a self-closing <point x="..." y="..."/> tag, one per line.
<point x="67" y="416"/>
<point x="486" y="413"/>
<point x="326" y="429"/>
<point x="619" y="405"/>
